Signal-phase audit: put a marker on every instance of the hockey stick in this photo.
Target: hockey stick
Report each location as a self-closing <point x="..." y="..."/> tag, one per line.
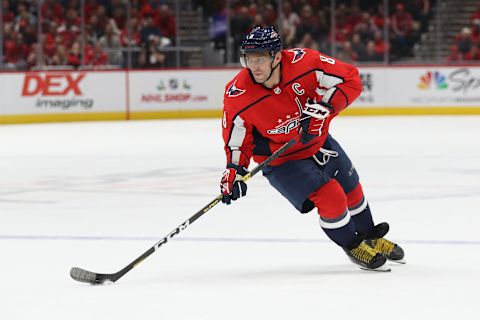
<point x="82" y="275"/>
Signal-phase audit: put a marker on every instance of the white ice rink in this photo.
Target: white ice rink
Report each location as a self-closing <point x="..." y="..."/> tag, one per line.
<point x="97" y="195"/>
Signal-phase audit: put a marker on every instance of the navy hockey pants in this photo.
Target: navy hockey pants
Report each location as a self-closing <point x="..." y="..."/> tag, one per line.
<point x="297" y="179"/>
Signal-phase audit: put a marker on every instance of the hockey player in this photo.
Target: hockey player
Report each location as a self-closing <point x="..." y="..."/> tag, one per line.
<point x="283" y="94"/>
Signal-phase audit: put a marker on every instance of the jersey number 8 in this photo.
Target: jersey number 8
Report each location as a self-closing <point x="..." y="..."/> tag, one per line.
<point x="326" y="59"/>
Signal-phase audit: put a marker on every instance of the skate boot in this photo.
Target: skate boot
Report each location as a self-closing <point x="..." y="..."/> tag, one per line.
<point x="390" y="250"/>
<point x="367" y="257"/>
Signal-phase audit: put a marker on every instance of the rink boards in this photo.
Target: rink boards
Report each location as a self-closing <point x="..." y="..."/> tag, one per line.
<point x="196" y="93"/>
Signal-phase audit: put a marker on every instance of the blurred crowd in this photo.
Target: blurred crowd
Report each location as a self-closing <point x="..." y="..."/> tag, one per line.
<point x="359" y="25"/>
<point x="51" y="34"/>
<point x="466" y="44"/>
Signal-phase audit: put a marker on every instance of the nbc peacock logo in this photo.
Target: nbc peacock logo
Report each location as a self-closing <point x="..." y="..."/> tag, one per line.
<point x="433" y="78"/>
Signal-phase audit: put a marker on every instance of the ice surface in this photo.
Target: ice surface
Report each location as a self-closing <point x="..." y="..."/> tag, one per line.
<point x="97" y="195"/>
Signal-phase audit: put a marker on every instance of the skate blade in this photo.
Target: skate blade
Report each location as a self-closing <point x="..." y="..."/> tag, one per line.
<point x="383" y="268"/>
<point x="401" y="261"/>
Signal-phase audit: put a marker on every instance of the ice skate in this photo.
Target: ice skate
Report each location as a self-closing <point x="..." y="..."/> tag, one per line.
<point x="367" y="258"/>
<point x="389" y="249"/>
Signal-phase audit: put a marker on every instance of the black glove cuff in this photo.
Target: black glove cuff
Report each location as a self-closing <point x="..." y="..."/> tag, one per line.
<point x="327" y="105"/>
<point x="241" y="170"/>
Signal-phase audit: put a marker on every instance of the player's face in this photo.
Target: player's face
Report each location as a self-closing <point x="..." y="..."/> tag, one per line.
<point x="260" y="64"/>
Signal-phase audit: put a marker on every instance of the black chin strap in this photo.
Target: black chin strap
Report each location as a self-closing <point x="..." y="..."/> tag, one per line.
<point x="271" y="72"/>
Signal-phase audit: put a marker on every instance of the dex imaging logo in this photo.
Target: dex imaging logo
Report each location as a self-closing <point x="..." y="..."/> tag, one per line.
<point x="435" y="79"/>
<point x="61" y="90"/>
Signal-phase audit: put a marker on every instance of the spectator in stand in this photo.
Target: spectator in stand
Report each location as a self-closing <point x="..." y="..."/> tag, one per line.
<point x="60" y="58"/>
<point x="308" y="42"/>
<point x="49" y="16"/>
<point x="473" y="54"/>
<point x="135" y="38"/>
<point x="49" y="41"/>
<point x="343" y="29"/>
<point x="379" y="16"/>
<point x="24" y="18"/>
<point x="475" y="28"/>
<point x="370" y="54"/>
<point x="8" y="16"/>
<point x="270" y="14"/>
<point x="51" y="11"/>
<point x="30" y="34"/>
<point x="111" y="42"/>
<point x="358" y="47"/>
<point x="103" y="19"/>
<point x="323" y="18"/>
<point x="240" y="24"/>
<point x="149" y="30"/>
<point x="165" y="20"/>
<point x="74" y="57"/>
<point x="380" y="44"/>
<point x="289" y="22"/>
<point x="32" y="57"/>
<point x="308" y="24"/>
<point x="420" y="10"/>
<point x="464" y="41"/>
<point x="150" y="56"/>
<point x="95" y="27"/>
<point x="476" y="14"/>
<point x="366" y="27"/>
<point x="258" y="20"/>
<point x="96" y="57"/>
<point x="16" y="53"/>
<point x="91" y="6"/>
<point x="346" y="53"/>
<point x="25" y="23"/>
<point x="253" y="10"/>
<point x="402" y="28"/>
<point x="89" y="34"/>
<point x="70" y="28"/>
<point x="354" y="16"/>
<point x="454" y="54"/>
<point x="119" y="15"/>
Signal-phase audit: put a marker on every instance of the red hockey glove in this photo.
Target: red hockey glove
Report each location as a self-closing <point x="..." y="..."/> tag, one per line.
<point x="312" y="119"/>
<point x="231" y="185"/>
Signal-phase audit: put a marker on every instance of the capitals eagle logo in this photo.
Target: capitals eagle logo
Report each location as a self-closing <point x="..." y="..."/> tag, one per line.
<point x="233" y="91"/>
<point x="298" y="54"/>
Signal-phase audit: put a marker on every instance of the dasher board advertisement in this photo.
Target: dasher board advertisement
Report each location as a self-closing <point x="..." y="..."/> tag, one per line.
<point x="62" y="92"/>
<point x="178" y="90"/>
<point x="418" y="87"/>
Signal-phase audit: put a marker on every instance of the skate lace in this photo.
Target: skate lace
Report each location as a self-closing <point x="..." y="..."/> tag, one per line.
<point x="364" y="253"/>
<point x="383" y="245"/>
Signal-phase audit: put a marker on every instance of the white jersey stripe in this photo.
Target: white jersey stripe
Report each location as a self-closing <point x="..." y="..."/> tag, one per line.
<point x="236" y="139"/>
<point x="328" y="95"/>
<point x="326" y="80"/>
<point x="320" y="92"/>
<point x="236" y="156"/>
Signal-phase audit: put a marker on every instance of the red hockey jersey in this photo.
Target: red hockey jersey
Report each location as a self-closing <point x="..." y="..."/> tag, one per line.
<point x="257" y="121"/>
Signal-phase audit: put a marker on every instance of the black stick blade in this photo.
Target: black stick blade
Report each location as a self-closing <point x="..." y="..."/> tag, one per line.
<point x="82" y="275"/>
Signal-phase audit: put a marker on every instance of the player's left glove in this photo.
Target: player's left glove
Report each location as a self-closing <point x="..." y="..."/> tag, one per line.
<point x="232" y="186"/>
<point x="312" y="118"/>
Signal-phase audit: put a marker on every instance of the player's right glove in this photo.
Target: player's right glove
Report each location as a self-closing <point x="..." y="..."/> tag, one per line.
<point x="231" y="185"/>
<point x="312" y="118"/>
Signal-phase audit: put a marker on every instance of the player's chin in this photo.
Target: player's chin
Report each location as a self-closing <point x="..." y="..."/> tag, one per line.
<point x="259" y="79"/>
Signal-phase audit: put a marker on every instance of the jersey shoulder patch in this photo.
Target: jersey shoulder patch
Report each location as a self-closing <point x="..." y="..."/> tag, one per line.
<point x="298" y="54"/>
<point x="234" y="91"/>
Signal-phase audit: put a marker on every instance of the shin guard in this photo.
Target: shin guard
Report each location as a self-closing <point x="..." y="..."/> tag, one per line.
<point x="360" y="210"/>
<point x="331" y="203"/>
